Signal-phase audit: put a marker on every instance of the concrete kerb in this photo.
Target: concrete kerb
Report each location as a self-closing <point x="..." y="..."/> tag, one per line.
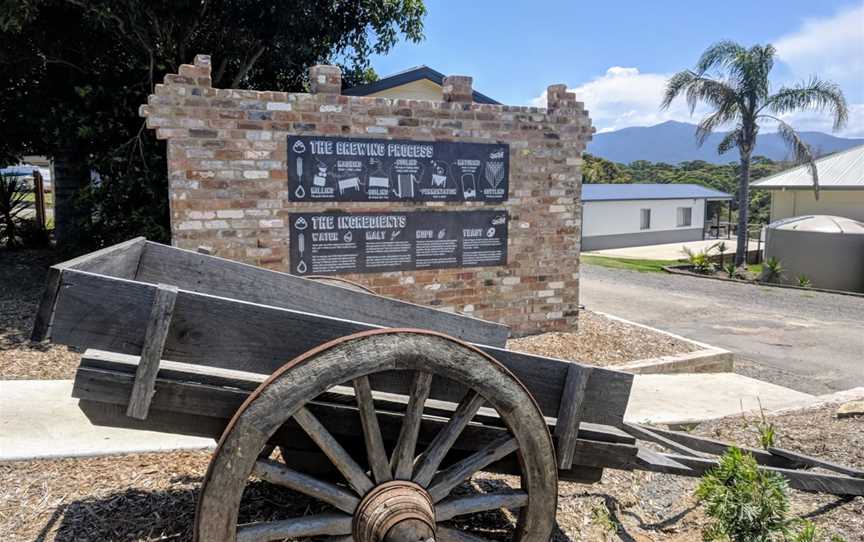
<point x="683" y="270"/>
<point x="706" y="359"/>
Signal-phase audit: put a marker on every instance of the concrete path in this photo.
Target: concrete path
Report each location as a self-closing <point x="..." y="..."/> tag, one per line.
<point x="40" y="419"/>
<point x="668" y="251"/>
<point x="688" y="398"/>
<point x="809" y="341"/>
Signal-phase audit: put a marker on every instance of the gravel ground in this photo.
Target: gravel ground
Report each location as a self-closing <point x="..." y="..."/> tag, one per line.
<point x="602" y="341"/>
<point x="149" y="497"/>
<point x="22" y="279"/>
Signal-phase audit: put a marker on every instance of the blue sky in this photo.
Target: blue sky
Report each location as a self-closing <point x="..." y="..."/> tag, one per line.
<point x="616" y="55"/>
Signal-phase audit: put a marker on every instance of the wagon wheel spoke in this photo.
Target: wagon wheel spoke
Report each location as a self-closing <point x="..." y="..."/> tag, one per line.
<point x="461" y="506"/>
<point x="340" y="458"/>
<point x="443" y="441"/>
<point x="402" y="461"/>
<point x="315" y="525"/>
<point x="372" y="431"/>
<point x="457" y="473"/>
<point x="279" y="474"/>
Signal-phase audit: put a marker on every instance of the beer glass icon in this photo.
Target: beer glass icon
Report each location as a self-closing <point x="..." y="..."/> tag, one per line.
<point x="469" y="186"/>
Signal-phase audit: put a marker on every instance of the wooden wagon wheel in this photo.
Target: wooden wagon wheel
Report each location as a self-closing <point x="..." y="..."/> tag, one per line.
<point x="400" y="498"/>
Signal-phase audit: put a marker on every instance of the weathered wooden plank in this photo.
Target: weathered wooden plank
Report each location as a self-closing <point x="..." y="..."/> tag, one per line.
<point x="110" y="314"/>
<point x="302" y="527"/>
<point x="816" y="462"/>
<point x="648" y="434"/>
<point x="656" y="462"/>
<point x="718" y="447"/>
<point x="119" y="260"/>
<point x="217" y="276"/>
<point x="798" y="479"/>
<point x="570" y="414"/>
<point x="277" y="473"/>
<point x="151" y="354"/>
<point x="449" y="534"/>
<point x="390" y="402"/>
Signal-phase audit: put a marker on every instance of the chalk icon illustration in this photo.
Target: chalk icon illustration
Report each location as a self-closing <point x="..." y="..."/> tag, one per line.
<point x="469" y="186"/>
<point x="499" y="220"/>
<point x="351" y="183"/>
<point x="442" y="233"/>
<point x="320" y="177"/>
<point x="395" y="234"/>
<point x="348" y="237"/>
<point x="300" y="192"/>
<point x="377" y="178"/>
<point x="490" y="232"/>
<point x="494" y="173"/>
<point x="301" y="248"/>
<point x="439" y="174"/>
<point x="405" y="185"/>
<point x="299" y="147"/>
<point x="301" y="224"/>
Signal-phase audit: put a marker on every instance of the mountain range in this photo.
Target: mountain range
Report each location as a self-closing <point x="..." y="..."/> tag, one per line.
<point x="674" y="142"/>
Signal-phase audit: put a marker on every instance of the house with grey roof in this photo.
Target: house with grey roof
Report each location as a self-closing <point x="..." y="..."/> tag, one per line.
<point x="418" y="83"/>
<point x="841" y="188"/>
<point x="627" y="215"/>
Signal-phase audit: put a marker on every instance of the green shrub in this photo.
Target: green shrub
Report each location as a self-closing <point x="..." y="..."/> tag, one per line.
<point x="731" y="270"/>
<point x="701" y="260"/>
<point x="744" y="503"/>
<point x="803" y="281"/>
<point x="772" y="270"/>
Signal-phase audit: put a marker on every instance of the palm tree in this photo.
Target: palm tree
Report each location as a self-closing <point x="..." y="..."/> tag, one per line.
<point x="733" y="81"/>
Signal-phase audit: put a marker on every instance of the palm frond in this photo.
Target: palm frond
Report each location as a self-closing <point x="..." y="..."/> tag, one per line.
<point x="729" y="141"/>
<point x="750" y="71"/>
<point x="713" y="92"/>
<point x="721" y="54"/>
<point x="801" y="152"/>
<point x="814" y="94"/>
<point x="677" y="84"/>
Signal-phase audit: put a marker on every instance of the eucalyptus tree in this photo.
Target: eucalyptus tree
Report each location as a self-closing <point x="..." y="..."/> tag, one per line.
<point x="733" y="81"/>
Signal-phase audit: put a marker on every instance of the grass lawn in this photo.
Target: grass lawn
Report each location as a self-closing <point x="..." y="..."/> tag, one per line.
<point x="49" y="198"/>
<point x="643" y="266"/>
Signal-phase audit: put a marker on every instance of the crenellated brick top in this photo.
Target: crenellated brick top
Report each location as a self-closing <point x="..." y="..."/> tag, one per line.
<point x="227" y="168"/>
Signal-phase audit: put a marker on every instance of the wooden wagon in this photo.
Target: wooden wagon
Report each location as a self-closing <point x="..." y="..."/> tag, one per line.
<point x="375" y="419"/>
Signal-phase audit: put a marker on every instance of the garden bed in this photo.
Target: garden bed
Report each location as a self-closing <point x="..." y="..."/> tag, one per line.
<point x="603" y="341"/>
<point x="150" y="497"/>
<point x="752" y="277"/>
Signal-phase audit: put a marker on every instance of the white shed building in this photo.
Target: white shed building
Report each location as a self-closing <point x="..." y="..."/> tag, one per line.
<point x="627" y="215"/>
<point x="841" y="188"/>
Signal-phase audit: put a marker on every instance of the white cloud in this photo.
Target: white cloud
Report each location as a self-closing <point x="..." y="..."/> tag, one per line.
<point x="625" y="97"/>
<point x="832" y="47"/>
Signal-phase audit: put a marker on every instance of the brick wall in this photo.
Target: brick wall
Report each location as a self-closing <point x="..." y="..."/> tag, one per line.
<point x="228" y="183"/>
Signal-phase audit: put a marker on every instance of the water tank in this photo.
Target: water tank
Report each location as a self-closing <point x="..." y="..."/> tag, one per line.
<point x="828" y="250"/>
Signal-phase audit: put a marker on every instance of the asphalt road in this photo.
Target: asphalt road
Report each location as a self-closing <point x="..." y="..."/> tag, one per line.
<point x="809" y="341"/>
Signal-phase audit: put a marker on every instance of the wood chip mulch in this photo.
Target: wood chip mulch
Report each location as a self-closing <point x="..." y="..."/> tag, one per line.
<point x="150" y="497"/>
<point x="602" y="341"/>
<point x="22" y="279"/>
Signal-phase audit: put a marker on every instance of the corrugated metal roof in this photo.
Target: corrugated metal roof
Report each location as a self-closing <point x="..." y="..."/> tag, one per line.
<point x="406" y="76"/>
<point x="842" y="170"/>
<point x="612" y="192"/>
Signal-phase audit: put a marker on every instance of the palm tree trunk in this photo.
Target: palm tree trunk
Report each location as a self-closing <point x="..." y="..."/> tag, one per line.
<point x="743" y="208"/>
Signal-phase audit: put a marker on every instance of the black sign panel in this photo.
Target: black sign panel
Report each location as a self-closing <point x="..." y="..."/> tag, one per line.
<point x="354" y="169"/>
<point x="332" y="243"/>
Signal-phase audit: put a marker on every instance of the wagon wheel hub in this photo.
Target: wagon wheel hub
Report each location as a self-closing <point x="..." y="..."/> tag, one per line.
<point x="396" y="511"/>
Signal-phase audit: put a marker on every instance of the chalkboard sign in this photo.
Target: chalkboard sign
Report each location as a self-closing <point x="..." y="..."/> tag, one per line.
<point x="332" y="243"/>
<point x="354" y="169"/>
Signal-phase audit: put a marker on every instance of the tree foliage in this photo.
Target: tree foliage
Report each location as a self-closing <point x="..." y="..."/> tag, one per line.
<point x="733" y="81"/>
<point x="76" y="71"/>
<point x="723" y="177"/>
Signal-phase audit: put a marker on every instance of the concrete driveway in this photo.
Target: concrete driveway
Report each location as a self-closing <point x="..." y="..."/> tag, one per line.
<point x="668" y="251"/>
<point x="809" y="341"/>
